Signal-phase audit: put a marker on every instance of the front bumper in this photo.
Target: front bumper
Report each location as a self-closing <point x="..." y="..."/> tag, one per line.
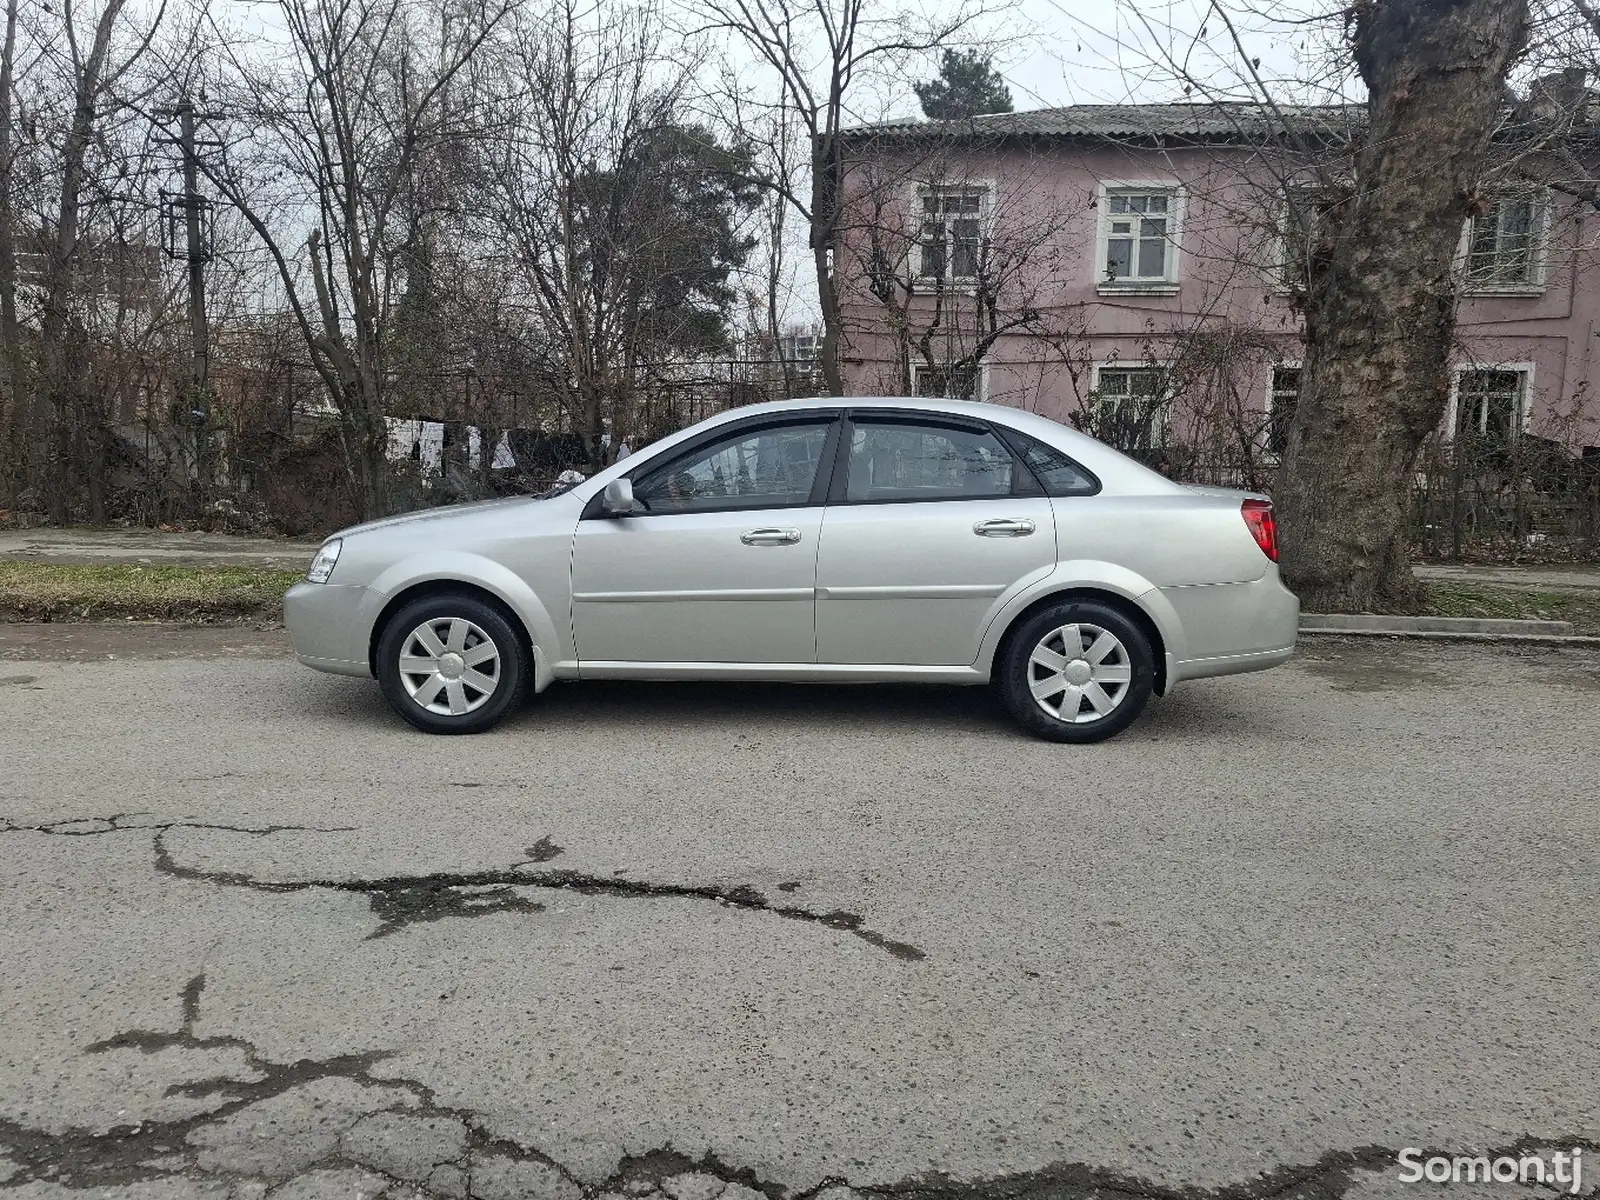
<point x="327" y="623"/>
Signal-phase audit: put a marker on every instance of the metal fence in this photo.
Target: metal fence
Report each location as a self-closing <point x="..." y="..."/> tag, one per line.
<point x="281" y="464"/>
<point x="1474" y="496"/>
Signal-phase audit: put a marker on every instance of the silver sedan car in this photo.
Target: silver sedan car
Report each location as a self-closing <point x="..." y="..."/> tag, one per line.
<point x="842" y="540"/>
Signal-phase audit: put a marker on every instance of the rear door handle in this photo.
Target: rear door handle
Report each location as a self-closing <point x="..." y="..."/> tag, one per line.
<point x="770" y="537"/>
<point x="1004" y="527"/>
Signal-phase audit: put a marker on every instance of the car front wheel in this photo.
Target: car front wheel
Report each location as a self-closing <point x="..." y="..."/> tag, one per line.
<point x="1078" y="671"/>
<point x="451" y="664"/>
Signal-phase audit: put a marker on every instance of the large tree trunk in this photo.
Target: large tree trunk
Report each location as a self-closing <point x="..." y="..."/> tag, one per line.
<point x="1380" y="314"/>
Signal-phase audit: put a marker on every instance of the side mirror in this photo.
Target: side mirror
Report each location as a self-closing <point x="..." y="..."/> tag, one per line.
<point x="617" y="499"/>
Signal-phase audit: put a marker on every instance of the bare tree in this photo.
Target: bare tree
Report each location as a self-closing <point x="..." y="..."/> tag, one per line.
<point x="960" y="243"/>
<point x="10" y="328"/>
<point x="1375" y="194"/>
<point x="820" y="53"/>
<point x="94" y="80"/>
<point x="623" y="222"/>
<point x="1381" y="304"/>
<point x="332" y="134"/>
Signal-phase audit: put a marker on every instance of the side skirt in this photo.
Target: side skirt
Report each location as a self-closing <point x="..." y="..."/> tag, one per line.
<point x="783" y="672"/>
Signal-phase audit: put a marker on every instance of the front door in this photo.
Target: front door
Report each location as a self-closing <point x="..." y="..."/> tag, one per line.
<point x="718" y="563"/>
<point x="934" y="522"/>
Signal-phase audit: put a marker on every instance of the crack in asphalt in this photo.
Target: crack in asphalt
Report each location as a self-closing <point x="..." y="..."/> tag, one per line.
<point x="543" y="850"/>
<point x="163" y="1149"/>
<point x="125" y="823"/>
<point x="399" y="901"/>
<point x="741" y="896"/>
<point x="144" y="1151"/>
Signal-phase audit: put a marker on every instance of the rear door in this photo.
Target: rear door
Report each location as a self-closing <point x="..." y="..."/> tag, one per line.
<point x="929" y="520"/>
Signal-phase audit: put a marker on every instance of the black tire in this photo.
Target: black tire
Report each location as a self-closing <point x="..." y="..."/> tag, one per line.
<point x="512" y="667"/>
<point x="1015" y="672"/>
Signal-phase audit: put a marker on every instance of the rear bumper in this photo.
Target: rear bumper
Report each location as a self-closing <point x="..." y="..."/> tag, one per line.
<point x="327" y="624"/>
<point x="1234" y="627"/>
<point x="1234" y="664"/>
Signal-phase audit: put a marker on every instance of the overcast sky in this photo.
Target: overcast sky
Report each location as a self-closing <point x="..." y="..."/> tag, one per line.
<point x="1117" y="51"/>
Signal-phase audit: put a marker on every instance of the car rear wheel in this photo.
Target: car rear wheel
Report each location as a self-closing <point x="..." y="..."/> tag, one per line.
<point x="451" y="664"/>
<point x="1078" y="671"/>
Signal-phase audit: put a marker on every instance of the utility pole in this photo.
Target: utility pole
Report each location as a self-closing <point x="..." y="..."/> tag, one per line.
<point x="193" y="211"/>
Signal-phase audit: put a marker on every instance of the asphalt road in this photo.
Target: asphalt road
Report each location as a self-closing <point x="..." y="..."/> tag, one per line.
<point x="259" y="935"/>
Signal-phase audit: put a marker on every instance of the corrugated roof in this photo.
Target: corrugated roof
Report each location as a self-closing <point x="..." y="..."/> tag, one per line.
<point x="1197" y="120"/>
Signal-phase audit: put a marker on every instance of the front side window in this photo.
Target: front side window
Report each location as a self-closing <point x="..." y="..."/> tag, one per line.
<point x="948" y="382"/>
<point x="950" y="248"/>
<point x="1128" y="408"/>
<point x="1489" y="403"/>
<point x="1138" y="241"/>
<point x="1502" y="243"/>
<point x="773" y="467"/>
<point x="891" y="461"/>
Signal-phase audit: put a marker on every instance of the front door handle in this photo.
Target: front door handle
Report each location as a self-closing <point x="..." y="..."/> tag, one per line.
<point x="770" y="537"/>
<point x="1004" y="527"/>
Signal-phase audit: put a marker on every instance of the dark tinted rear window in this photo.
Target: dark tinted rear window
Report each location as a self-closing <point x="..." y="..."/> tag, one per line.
<point x="1058" y="473"/>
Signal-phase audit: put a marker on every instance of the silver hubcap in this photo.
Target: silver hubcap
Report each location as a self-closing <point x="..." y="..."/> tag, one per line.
<point x="450" y="666"/>
<point x="1079" y="673"/>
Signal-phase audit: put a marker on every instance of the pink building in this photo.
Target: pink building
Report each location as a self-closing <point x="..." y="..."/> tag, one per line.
<point x="1127" y="268"/>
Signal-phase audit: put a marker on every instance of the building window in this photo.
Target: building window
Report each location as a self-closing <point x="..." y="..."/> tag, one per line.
<point x="801" y="349"/>
<point x="1128" y="409"/>
<point x="951" y="246"/>
<point x="1280" y="413"/>
<point x="1503" y="243"/>
<point x="1139" y="238"/>
<point x="1489" y="403"/>
<point x="961" y="382"/>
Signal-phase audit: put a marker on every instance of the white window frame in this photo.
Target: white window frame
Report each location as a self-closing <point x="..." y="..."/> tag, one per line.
<point x="1167" y="285"/>
<point x="1282" y="364"/>
<point x="1160" y="432"/>
<point x="1538" y="252"/>
<point x="981" y="383"/>
<point x="985" y="189"/>
<point x="1524" y="399"/>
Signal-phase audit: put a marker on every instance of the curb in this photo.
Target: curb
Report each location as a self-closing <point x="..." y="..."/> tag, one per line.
<point x="1434" y="635"/>
<point x="1379" y="622"/>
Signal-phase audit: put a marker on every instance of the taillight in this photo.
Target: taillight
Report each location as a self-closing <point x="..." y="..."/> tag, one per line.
<point x="1263" y="525"/>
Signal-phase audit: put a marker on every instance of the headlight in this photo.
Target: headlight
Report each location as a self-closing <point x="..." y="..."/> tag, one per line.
<point x="322" y="564"/>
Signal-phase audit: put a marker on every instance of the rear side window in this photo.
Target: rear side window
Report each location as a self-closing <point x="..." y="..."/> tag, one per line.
<point x="1058" y="474"/>
<point x="904" y="461"/>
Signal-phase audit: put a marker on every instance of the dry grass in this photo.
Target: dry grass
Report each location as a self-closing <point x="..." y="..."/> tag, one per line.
<point x="1582" y="608"/>
<point x="51" y="592"/>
